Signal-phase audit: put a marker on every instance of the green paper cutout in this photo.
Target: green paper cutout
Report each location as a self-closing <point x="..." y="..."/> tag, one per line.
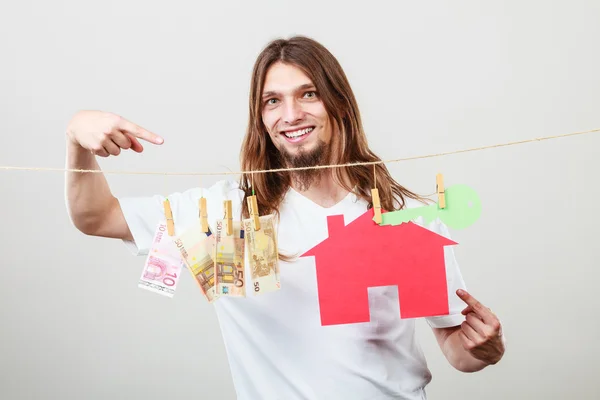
<point x="463" y="208"/>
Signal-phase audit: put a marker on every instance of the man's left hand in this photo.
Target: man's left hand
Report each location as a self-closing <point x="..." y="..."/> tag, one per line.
<point x="481" y="332"/>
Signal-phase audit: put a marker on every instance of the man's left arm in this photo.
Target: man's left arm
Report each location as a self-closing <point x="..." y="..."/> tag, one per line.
<point x="477" y="342"/>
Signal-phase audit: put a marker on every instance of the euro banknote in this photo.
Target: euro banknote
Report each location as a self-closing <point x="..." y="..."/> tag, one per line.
<point x="163" y="266"/>
<point x="229" y="260"/>
<point x="196" y="248"/>
<point x="262" y="254"/>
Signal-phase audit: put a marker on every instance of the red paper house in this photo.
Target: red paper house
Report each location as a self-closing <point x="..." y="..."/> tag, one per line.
<point x="363" y="254"/>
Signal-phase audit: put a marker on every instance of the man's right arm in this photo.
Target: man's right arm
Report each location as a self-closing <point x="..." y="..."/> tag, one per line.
<point x="91" y="205"/>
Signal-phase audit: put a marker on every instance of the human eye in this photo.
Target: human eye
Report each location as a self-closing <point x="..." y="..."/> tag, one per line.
<point x="270" y="102"/>
<point x="310" y="94"/>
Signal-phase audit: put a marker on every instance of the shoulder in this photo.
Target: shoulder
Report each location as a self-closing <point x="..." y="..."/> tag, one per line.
<point x="186" y="204"/>
<point x="143" y="213"/>
<point x="223" y="186"/>
<point x="225" y="189"/>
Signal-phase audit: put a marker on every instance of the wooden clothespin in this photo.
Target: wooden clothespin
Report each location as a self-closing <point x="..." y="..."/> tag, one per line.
<point x="228" y="217"/>
<point x="169" y="216"/>
<point x="253" y="207"/>
<point x="203" y="214"/>
<point x="376" y="205"/>
<point x="440" y="191"/>
<point x="376" y="202"/>
<point x="253" y="210"/>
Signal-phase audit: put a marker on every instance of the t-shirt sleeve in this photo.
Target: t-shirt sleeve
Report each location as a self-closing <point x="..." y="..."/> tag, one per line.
<point x="143" y="215"/>
<point x="455" y="282"/>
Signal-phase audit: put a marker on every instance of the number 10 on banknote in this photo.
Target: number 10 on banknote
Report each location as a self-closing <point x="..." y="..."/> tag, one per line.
<point x="163" y="265"/>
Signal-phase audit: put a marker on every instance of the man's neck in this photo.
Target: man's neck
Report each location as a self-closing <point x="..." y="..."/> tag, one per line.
<point x="324" y="191"/>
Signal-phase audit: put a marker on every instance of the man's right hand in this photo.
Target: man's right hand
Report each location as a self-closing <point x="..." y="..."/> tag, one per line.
<point x="105" y="133"/>
<point x="92" y="207"/>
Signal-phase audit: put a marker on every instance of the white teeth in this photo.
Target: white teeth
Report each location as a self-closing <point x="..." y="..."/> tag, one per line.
<point x="295" y="134"/>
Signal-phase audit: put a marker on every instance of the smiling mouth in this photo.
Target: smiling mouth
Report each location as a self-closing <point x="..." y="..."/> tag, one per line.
<point x="298" y="133"/>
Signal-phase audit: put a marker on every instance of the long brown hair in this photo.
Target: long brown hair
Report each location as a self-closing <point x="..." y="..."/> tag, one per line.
<point x="349" y="143"/>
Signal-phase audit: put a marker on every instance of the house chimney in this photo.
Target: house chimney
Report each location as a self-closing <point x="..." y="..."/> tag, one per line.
<point x="335" y="224"/>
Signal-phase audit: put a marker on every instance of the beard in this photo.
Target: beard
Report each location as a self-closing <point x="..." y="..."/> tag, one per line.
<point x="304" y="179"/>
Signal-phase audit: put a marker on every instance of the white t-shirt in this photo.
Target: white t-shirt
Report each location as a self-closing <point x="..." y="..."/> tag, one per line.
<point x="276" y="346"/>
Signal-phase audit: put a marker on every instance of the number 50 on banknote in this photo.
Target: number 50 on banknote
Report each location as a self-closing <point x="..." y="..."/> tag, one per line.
<point x="229" y="260"/>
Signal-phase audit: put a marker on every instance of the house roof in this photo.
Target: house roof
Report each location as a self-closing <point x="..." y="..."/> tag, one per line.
<point x="363" y="234"/>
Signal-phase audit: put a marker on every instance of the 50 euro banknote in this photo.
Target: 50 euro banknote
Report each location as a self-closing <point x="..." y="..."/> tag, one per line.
<point x="196" y="248"/>
<point x="163" y="266"/>
<point x="262" y="254"/>
<point x="229" y="260"/>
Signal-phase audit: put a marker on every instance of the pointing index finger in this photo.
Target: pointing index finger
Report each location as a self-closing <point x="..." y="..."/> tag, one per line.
<point x="139" y="132"/>
<point x="475" y="305"/>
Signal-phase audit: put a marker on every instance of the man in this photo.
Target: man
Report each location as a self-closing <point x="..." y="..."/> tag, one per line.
<point x="302" y="113"/>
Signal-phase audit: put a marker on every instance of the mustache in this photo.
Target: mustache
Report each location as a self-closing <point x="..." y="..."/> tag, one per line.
<point x="287" y="127"/>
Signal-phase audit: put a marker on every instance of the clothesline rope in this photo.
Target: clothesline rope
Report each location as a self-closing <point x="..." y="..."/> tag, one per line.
<point x="116" y="172"/>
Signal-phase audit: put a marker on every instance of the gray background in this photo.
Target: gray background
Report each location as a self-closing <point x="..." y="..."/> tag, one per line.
<point x="429" y="76"/>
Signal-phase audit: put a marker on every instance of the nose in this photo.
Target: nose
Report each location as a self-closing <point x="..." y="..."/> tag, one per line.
<point x="292" y="112"/>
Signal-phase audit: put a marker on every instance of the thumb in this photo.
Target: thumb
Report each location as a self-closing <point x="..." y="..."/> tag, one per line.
<point x="467" y="310"/>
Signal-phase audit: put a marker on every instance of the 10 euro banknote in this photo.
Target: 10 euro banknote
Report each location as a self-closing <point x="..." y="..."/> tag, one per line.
<point x="163" y="266"/>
